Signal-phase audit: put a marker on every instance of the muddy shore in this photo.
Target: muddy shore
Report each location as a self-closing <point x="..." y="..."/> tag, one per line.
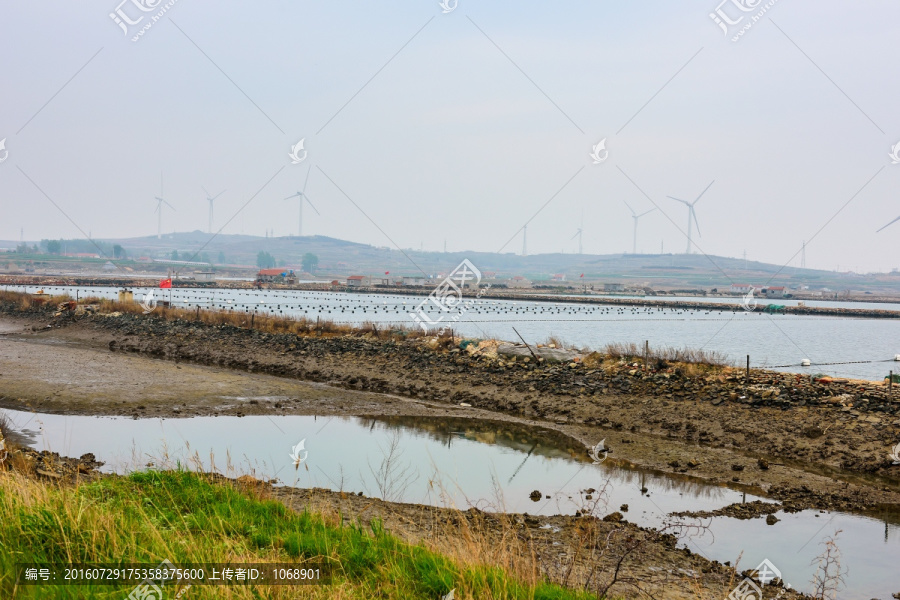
<point x="806" y="445"/>
<point x="791" y="447"/>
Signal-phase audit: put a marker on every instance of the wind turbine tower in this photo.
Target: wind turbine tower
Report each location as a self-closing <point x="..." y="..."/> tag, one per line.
<point x="211" y="199"/>
<point x="303" y="198"/>
<point x="579" y="233"/>
<point x="525" y="240"/>
<point x="159" y="208"/>
<point x="692" y="215"/>
<point x="636" y="217"/>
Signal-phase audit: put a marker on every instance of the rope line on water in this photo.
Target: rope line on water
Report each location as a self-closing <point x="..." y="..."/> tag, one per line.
<point x="812" y="364"/>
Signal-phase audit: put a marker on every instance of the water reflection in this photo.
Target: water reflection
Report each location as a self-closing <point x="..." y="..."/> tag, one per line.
<point x="463" y="463"/>
<point x="548" y="443"/>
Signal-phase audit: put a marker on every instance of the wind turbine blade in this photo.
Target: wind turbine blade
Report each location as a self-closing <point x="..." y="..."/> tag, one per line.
<point x="574" y="236"/>
<point x="646" y="213"/>
<point x="217" y="195"/>
<point x="629" y="208"/>
<point x="685" y="202"/>
<point x="305" y="181"/>
<point x="694" y="214"/>
<point x="704" y="191"/>
<point x="292" y="196"/>
<point x="889" y="224"/>
<point x="205" y="191"/>
<point x="311" y="204"/>
<point x="169" y="205"/>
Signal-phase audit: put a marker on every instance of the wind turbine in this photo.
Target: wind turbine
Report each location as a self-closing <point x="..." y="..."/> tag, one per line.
<point x="889" y="224"/>
<point x="525" y="240"/>
<point x="692" y="215"/>
<point x="302" y="195"/>
<point x="636" y="216"/>
<point x="159" y="204"/>
<point x="579" y="233"/>
<point x="211" y="199"/>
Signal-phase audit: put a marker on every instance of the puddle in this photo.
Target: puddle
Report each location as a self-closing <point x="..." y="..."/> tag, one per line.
<point x="463" y="463"/>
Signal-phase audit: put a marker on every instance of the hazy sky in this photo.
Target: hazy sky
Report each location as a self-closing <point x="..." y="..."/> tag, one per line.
<point x="461" y="126"/>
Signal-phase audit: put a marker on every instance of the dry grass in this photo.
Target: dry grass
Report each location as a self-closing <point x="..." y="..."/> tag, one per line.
<point x="635" y="352"/>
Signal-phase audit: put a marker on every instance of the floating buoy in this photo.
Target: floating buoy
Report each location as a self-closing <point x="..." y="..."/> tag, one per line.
<point x="805" y="362"/>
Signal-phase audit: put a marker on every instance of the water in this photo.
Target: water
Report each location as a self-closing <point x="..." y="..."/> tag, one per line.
<point x="772" y="341"/>
<point x="463" y="463"/>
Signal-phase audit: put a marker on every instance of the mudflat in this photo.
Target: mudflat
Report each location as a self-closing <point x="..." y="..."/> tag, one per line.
<point x="806" y="456"/>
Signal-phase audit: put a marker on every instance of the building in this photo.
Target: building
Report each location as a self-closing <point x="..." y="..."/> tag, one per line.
<point x="741" y="288"/>
<point x="519" y="282"/>
<point x="613" y="287"/>
<point x="774" y="292"/>
<point x="559" y="277"/>
<point x="415" y="280"/>
<point x="276" y="276"/>
<point x="358" y="281"/>
<point x="205" y="275"/>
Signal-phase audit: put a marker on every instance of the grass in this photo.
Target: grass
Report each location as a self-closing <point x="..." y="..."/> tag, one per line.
<point x="187" y="517"/>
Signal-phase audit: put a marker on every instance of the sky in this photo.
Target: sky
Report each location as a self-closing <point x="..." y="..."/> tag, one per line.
<point x="425" y="125"/>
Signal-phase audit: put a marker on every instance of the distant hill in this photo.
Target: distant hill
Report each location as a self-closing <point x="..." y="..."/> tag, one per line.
<point x="341" y="257"/>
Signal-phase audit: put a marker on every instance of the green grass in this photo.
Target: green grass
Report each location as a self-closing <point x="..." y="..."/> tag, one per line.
<point x="189" y="518"/>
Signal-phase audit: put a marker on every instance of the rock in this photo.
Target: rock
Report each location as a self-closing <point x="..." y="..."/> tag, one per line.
<point x="762" y="464"/>
<point x="548" y="354"/>
<point x="771" y="519"/>
<point x="615" y="517"/>
<point x="737" y="467"/>
<point x="624" y="508"/>
<point x="535" y="495"/>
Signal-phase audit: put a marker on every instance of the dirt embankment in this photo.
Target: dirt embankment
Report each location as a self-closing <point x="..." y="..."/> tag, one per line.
<point x="809" y="445"/>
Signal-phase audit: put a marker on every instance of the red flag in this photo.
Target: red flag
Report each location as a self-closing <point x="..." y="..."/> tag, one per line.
<point x="387" y="272"/>
<point x="582" y="275"/>
<point x="165" y="283"/>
